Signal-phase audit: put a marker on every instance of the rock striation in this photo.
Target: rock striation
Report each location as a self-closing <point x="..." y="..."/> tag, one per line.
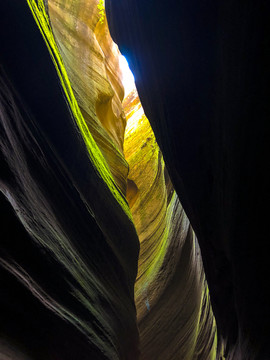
<point x="174" y="314"/>
<point x="69" y="251"/>
<point x="91" y="60"/>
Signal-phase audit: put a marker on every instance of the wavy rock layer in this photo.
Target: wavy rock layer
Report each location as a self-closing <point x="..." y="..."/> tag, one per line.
<point x="92" y="63"/>
<point x="173" y="307"/>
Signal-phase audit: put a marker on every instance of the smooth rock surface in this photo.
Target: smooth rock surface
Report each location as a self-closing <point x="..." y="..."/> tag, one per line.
<point x="202" y="73"/>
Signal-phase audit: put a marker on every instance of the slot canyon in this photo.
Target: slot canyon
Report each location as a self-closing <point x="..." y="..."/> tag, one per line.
<point x="134" y="218"/>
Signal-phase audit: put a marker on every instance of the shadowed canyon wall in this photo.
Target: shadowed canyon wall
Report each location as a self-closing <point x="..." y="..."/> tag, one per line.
<point x="202" y="73"/>
<point x="98" y="258"/>
<point x="69" y="241"/>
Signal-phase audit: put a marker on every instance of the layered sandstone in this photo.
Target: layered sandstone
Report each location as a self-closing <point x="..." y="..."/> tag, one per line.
<point x="172" y="300"/>
<point x="92" y="63"/>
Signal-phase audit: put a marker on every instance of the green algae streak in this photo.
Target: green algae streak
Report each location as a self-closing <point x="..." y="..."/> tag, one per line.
<point x="95" y="156"/>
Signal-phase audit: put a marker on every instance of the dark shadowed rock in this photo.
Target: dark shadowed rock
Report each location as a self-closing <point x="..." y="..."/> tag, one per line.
<point x="202" y="73"/>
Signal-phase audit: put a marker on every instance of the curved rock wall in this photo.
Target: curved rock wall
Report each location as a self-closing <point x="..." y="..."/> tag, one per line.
<point x="92" y="63"/>
<point x="202" y="71"/>
<point x="173" y="306"/>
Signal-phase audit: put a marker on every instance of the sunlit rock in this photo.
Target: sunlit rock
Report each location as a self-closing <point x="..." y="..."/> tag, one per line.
<point x="172" y="300"/>
<point x="92" y="63"/>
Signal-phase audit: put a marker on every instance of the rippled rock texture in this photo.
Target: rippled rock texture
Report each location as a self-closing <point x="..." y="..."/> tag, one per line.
<point x="173" y="307"/>
<point x="69" y="249"/>
<point x="91" y="60"/>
